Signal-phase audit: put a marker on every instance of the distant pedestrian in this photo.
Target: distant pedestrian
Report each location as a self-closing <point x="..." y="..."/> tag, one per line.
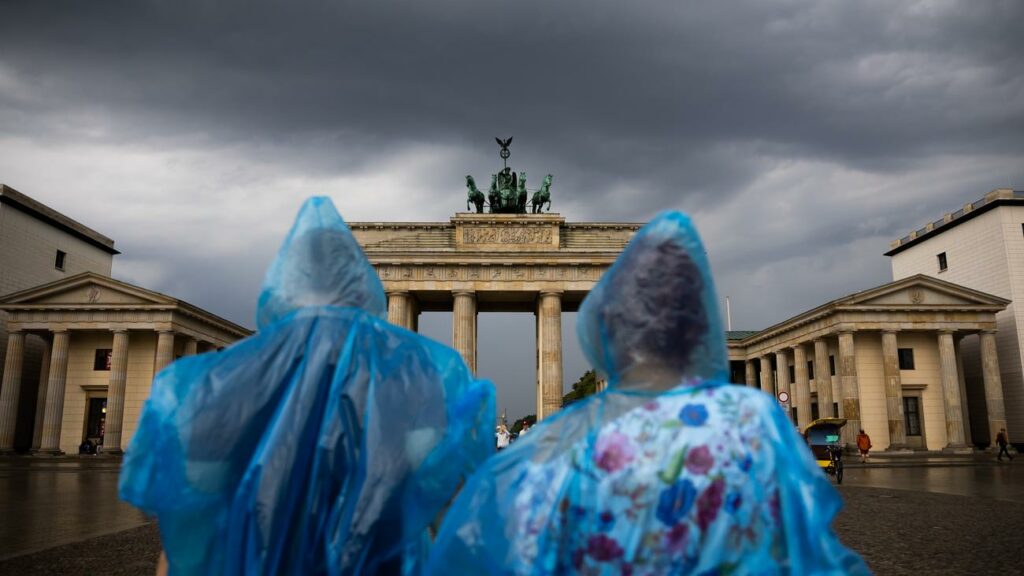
<point x="503" y="437"/>
<point x="526" y="428"/>
<point x="864" y="445"/>
<point x="1002" y="440"/>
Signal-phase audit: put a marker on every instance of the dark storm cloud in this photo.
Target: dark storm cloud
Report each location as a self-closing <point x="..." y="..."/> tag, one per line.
<point x="802" y="135"/>
<point x="634" y="89"/>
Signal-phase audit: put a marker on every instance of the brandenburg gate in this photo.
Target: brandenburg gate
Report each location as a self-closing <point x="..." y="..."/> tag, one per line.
<point x="497" y="262"/>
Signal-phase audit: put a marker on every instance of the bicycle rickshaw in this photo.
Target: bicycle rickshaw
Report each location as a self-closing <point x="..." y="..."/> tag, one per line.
<point x="823" y="437"/>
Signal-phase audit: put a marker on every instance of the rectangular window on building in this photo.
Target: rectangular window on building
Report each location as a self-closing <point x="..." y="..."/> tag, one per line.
<point x="912" y="415"/>
<point x="810" y="369"/>
<point x="942" y="262"/>
<point x="58" y="262"/>
<point x="814" y="411"/>
<point x="835" y="408"/>
<point x="792" y="374"/>
<point x="832" y="365"/>
<point x="102" y="359"/>
<point x="906" y="358"/>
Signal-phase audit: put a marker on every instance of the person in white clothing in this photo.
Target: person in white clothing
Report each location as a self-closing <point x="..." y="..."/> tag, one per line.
<point x="503" y="437"/>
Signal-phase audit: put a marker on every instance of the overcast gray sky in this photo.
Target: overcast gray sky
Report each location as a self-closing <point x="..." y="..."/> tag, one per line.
<point x="802" y="136"/>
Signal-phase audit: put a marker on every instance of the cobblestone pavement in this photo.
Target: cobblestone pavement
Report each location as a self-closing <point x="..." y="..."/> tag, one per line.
<point x="907" y="532"/>
<point x="897" y="532"/>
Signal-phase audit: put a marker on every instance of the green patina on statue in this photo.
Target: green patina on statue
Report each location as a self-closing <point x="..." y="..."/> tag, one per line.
<point x="508" y="193"/>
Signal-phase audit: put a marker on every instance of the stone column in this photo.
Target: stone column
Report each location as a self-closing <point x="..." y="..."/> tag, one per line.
<point x="951" y="392"/>
<point x="850" y="387"/>
<point x="893" y="391"/>
<point x="767" y="384"/>
<point x="782" y="375"/>
<point x="10" y="389"/>
<point x="802" y="386"/>
<point x="751" y="373"/>
<point x="550" y="349"/>
<point x="115" y="393"/>
<point x="191" y="347"/>
<point x="539" y="392"/>
<point x="823" y="379"/>
<point x="399" y="308"/>
<point x="44" y="378"/>
<point x="602" y="384"/>
<point x="164" y="350"/>
<point x="54" y="417"/>
<point x="962" y="380"/>
<point x="414" y="314"/>
<point x="993" y="385"/>
<point x="464" y="327"/>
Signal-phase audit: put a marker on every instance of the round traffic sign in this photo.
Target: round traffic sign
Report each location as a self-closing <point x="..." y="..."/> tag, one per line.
<point x="783" y="397"/>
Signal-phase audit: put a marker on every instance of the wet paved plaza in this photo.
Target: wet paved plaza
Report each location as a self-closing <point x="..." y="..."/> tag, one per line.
<point x="999" y="482"/>
<point x="49" y="502"/>
<point x="899" y="518"/>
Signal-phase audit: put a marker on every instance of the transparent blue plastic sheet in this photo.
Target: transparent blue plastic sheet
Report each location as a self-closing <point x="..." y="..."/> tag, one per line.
<point x="324" y="444"/>
<point x="669" y="471"/>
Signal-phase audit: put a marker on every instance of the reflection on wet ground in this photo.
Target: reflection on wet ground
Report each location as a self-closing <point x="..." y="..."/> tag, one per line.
<point x="1001" y="482"/>
<point x="48" y="502"/>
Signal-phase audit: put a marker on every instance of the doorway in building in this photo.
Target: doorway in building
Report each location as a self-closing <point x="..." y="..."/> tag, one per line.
<point x="913" y="422"/>
<point x="96" y="420"/>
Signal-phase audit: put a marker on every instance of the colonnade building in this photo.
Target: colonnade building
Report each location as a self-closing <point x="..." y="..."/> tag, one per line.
<point x="979" y="245"/>
<point x="889" y="360"/>
<point x="80" y="348"/>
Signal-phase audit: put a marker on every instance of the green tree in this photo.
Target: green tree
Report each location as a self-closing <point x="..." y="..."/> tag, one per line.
<point x="517" y="426"/>
<point x="585" y="386"/>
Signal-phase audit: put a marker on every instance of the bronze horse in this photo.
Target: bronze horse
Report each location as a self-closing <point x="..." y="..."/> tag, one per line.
<point x="474" y="195"/>
<point x="542" y="196"/>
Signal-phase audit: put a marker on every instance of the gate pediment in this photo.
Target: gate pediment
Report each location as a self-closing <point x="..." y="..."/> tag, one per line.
<point x="87" y="289"/>
<point x="922" y="291"/>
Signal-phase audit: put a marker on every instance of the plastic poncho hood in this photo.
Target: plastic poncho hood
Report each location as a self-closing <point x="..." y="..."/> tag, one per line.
<point x="326" y="443"/>
<point x="656" y="303"/>
<point x="320" y="264"/>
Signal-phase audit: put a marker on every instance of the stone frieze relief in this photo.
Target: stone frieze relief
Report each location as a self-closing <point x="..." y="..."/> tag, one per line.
<point x="506" y="235"/>
<point x="497" y="273"/>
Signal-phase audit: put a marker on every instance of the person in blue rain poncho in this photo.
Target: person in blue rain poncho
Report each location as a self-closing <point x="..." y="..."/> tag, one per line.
<point x="324" y="444"/>
<point x="671" y="470"/>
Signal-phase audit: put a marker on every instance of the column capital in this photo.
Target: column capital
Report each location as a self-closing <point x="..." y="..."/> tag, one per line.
<point x="944" y="331"/>
<point x="60" y="331"/>
<point x="552" y="292"/>
<point x="397" y="293"/>
<point x="990" y="331"/>
<point x="890" y="330"/>
<point x="464" y="292"/>
<point x="118" y="330"/>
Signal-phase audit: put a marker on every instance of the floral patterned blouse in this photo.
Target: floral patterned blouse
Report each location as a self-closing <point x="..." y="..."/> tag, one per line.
<point x="687" y="482"/>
